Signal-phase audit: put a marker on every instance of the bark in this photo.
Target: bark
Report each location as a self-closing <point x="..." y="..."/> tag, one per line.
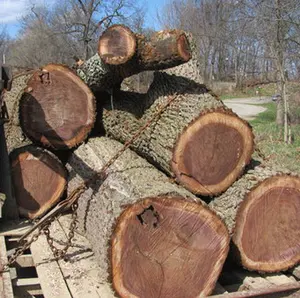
<point x="39" y="180"/>
<point x="48" y="114"/>
<point x="122" y="54"/>
<point x="157" y="228"/>
<point x="196" y="139"/>
<point x="13" y="132"/>
<point x="261" y="211"/>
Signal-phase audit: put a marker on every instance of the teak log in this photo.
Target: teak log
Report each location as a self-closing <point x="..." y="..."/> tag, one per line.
<point x="165" y="242"/>
<point x="57" y="109"/>
<point x="121" y="53"/>
<point x="262" y="212"/>
<point x="196" y="139"/>
<point x="39" y="180"/>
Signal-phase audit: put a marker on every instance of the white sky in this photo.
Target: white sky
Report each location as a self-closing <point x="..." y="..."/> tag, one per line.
<point x="12" y="10"/>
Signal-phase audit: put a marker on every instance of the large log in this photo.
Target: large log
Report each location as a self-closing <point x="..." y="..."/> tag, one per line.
<point x="121" y="53"/>
<point x="165" y="242"/>
<point x="262" y="212"/>
<point x="39" y="180"/>
<point x="57" y="109"/>
<point x="196" y="139"/>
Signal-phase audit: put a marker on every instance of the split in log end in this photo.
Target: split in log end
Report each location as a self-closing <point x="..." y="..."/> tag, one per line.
<point x="212" y="152"/>
<point x="267" y="229"/>
<point x="168" y="247"/>
<point x="117" y="45"/>
<point x="39" y="180"/>
<point x="57" y="109"/>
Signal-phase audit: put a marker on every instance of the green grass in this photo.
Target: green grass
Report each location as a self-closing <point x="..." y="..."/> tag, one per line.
<point x="269" y="139"/>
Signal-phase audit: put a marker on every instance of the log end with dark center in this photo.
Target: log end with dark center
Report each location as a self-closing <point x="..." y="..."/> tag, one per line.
<point x="168" y="247"/>
<point x="117" y="45"/>
<point x="267" y="230"/>
<point x="39" y="180"/>
<point x="212" y="152"/>
<point x="57" y="109"/>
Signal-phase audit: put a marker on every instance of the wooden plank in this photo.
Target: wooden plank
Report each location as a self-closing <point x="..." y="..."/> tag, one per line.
<point x="25" y="261"/>
<point x="14" y="227"/>
<point x="81" y="268"/>
<point x="50" y="277"/>
<point x="20" y="282"/>
<point x="6" y="289"/>
<point x="283" y="291"/>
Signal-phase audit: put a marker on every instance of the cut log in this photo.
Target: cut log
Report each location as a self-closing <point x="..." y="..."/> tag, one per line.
<point x="14" y="135"/>
<point x="196" y="139"/>
<point x="262" y="213"/>
<point x="165" y="241"/>
<point x="57" y="109"/>
<point x="121" y="53"/>
<point x="39" y="180"/>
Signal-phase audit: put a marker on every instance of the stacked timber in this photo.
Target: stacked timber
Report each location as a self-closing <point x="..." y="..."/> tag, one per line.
<point x="145" y="216"/>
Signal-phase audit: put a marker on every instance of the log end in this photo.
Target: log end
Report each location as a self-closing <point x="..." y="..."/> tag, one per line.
<point x="212" y="152"/>
<point x="57" y="109"/>
<point x="267" y="229"/>
<point x="184" y="47"/>
<point x="39" y="180"/>
<point x="117" y="45"/>
<point x="168" y="247"/>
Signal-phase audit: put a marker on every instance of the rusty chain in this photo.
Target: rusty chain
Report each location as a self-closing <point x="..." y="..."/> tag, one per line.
<point x="43" y="226"/>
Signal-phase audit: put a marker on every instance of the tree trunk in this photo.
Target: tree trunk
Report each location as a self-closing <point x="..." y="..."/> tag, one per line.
<point x="121" y="53"/>
<point x="48" y="113"/>
<point x="196" y="139"/>
<point x="39" y="180"/>
<point x="143" y="228"/>
<point x="262" y="212"/>
<point x="13" y="132"/>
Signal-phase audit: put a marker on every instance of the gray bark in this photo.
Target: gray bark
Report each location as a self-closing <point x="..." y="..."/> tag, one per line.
<point x="13" y="132"/>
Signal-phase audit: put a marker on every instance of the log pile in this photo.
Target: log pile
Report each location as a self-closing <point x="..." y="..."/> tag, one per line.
<point x="161" y="217"/>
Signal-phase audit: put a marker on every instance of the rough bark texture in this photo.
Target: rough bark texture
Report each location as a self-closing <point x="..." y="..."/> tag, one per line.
<point x="57" y="109"/>
<point x="222" y="142"/>
<point x="14" y="135"/>
<point x="129" y="180"/>
<point x="261" y="211"/>
<point x="39" y="180"/>
<point x="165" y="49"/>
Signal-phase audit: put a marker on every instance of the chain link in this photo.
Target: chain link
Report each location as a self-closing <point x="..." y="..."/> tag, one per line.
<point x="60" y="253"/>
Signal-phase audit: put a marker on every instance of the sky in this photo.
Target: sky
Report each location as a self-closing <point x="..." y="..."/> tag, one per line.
<point x="12" y="10"/>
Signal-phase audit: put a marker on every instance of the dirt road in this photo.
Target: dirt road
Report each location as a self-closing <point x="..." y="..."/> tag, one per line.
<point x="247" y="108"/>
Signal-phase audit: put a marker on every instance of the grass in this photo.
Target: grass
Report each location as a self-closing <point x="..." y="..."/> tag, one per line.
<point x="269" y="139"/>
